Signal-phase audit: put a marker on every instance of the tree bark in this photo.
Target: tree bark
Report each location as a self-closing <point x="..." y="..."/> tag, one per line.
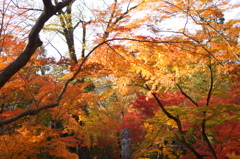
<point x="33" y="40"/>
<point x="68" y="29"/>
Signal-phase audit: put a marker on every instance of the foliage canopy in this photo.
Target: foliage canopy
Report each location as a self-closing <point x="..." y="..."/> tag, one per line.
<point x="167" y="70"/>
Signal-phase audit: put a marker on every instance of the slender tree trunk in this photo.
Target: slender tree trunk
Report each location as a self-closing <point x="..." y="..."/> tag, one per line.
<point x="68" y="29"/>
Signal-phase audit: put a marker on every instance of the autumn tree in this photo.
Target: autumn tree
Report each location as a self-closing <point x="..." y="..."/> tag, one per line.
<point x="186" y="79"/>
<point x="197" y="63"/>
<point x="46" y="89"/>
<point x="24" y="90"/>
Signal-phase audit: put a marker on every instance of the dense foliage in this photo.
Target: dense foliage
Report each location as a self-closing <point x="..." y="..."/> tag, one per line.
<point x="167" y="70"/>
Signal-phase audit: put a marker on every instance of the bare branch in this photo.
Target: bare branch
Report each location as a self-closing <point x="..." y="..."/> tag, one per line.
<point x="27" y="9"/>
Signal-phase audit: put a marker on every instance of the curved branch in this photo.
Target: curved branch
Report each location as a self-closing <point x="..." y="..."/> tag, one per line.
<point x="33" y="41"/>
<point x="45" y="107"/>
<point x="35" y="111"/>
<point x="146" y="41"/>
<point x="203" y="125"/>
<point x="179" y="125"/>
<point x="205" y="137"/>
<point x="187" y="96"/>
<point x="28" y="112"/>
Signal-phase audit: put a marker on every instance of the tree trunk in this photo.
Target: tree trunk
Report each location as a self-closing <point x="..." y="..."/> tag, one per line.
<point x="83" y="152"/>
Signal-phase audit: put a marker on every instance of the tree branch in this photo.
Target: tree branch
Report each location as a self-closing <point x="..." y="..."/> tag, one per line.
<point x="35" y="111"/>
<point x="205" y="138"/>
<point x="47" y="4"/>
<point x="84" y="32"/>
<point x="33" y="41"/>
<point x="187" y="96"/>
<point x="211" y="85"/>
<point x="27" y="112"/>
<point x="203" y="125"/>
<point x="179" y="125"/>
<point x="67" y="26"/>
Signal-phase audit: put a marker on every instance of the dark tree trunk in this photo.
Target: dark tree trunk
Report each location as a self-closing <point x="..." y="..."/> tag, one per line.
<point x="83" y="152"/>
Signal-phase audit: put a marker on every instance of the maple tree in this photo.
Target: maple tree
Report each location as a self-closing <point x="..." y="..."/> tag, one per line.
<point x="191" y="63"/>
<point x="133" y="71"/>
